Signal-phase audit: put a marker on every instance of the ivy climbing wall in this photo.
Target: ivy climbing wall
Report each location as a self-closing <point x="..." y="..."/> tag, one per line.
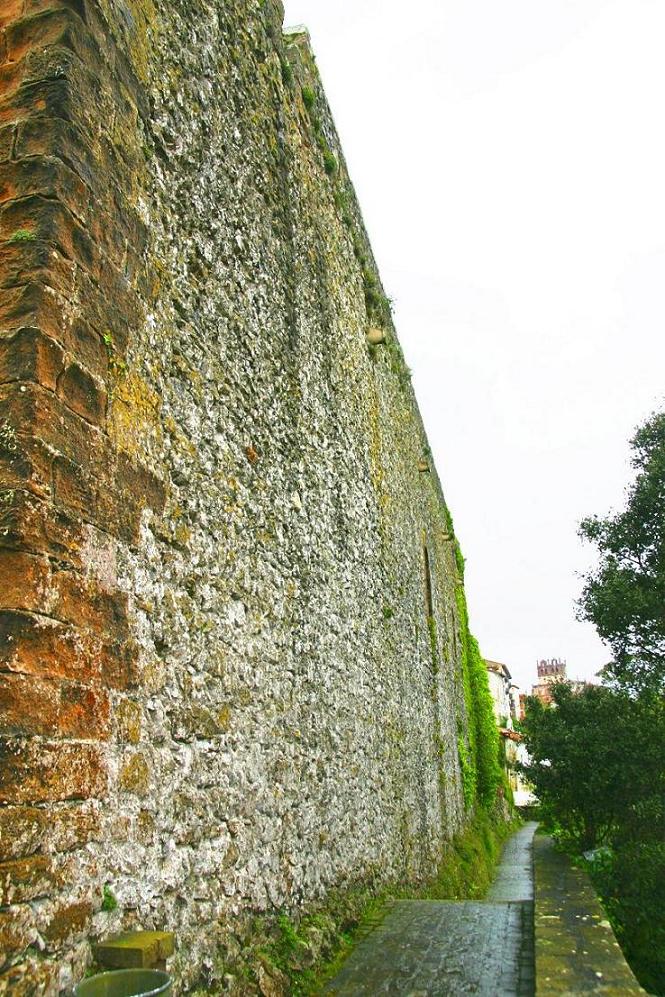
<point x="231" y="652"/>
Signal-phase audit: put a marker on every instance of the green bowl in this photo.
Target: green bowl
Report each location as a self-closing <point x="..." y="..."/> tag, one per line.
<point x="126" y="983"/>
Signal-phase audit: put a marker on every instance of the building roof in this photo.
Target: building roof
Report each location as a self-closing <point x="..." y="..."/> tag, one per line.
<point x="498" y="667"/>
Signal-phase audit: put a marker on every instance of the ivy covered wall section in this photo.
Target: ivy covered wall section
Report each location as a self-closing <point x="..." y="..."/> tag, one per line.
<point x="479" y="751"/>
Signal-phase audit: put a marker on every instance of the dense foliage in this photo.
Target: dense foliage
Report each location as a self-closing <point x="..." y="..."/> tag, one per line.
<point x="597" y="764"/>
<point x="625" y="596"/>
<point x="598" y="768"/>
<point x="598" y="756"/>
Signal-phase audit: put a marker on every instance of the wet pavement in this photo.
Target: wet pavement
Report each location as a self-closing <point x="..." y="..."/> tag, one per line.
<point x="442" y="948"/>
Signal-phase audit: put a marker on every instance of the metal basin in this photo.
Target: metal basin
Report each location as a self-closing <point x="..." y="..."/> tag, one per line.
<point x="126" y="983"/>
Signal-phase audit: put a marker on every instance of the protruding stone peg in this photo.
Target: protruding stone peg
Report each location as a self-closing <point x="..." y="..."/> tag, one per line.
<point x="375" y="337"/>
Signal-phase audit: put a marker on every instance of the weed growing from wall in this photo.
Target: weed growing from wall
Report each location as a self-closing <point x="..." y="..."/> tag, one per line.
<point x="488" y="771"/>
<point x="116" y="364"/>
<point x="308" y="97"/>
<point x="22" y="235"/>
<point x="109" y="902"/>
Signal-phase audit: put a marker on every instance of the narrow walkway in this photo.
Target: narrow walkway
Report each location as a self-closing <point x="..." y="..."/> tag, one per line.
<point x="445" y="948"/>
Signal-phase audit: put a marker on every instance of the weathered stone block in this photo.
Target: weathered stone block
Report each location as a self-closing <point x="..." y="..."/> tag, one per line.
<point x="55" y="25"/>
<point x="135" y="775"/>
<point x="50" y="222"/>
<point x="7" y="140"/>
<point x="72" y="825"/>
<point x="51" y="178"/>
<point x="79" y="324"/>
<point x="28" y="705"/>
<point x="22" y="831"/>
<point x="29" y="355"/>
<point x="67" y="921"/>
<point x="32" y="524"/>
<point x="60" y="828"/>
<point x="37" y="413"/>
<point x="108" y="489"/>
<point x="197" y="721"/>
<point x="119" y="663"/>
<point x="76" y="6"/>
<point x="28" y="583"/>
<point x="11" y="10"/>
<point x="48" y="177"/>
<point x="21" y="99"/>
<point x="135" y="949"/>
<point x="74" y="488"/>
<point x="83" y="394"/>
<point x="17" y="931"/>
<point x="35" y="645"/>
<point x="128" y="716"/>
<point x="84" y="712"/>
<point x="30" y="978"/>
<point x="53" y="137"/>
<point x="25" y="582"/>
<point x="26" y="879"/>
<point x="84" y="602"/>
<point x="41" y="771"/>
<point x="52" y="708"/>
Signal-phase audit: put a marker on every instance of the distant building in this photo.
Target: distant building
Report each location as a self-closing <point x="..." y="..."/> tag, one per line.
<point x="506" y="699"/>
<point x="551" y="671"/>
<point x="500" y="683"/>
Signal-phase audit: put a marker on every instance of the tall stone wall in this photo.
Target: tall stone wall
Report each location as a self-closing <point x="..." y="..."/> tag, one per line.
<point x="221" y="543"/>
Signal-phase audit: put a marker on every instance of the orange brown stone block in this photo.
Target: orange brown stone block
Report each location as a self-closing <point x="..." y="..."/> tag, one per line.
<point x="33" y="771"/>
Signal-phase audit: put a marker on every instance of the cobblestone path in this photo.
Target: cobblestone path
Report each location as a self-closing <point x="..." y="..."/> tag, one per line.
<point x="433" y="948"/>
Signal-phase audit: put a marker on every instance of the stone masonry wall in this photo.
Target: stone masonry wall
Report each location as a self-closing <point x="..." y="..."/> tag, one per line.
<point x="221" y="542"/>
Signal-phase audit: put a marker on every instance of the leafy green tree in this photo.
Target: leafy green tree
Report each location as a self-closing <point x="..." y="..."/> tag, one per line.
<point x="625" y="596"/>
<point x="597" y="764"/>
<point x="598" y="768"/>
<point x="598" y="756"/>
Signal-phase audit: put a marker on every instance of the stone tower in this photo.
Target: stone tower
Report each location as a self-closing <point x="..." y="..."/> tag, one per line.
<point x="550" y="670"/>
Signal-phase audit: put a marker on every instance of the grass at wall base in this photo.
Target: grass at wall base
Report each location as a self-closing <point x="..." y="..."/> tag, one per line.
<point x="293" y="956"/>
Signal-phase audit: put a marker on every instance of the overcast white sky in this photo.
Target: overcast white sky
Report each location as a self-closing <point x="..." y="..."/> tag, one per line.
<point x="509" y="158"/>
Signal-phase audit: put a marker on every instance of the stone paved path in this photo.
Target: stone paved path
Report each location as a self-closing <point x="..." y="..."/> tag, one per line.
<point x="432" y="948"/>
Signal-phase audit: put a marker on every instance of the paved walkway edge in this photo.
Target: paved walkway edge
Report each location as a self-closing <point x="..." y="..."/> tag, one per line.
<point x="576" y="951"/>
